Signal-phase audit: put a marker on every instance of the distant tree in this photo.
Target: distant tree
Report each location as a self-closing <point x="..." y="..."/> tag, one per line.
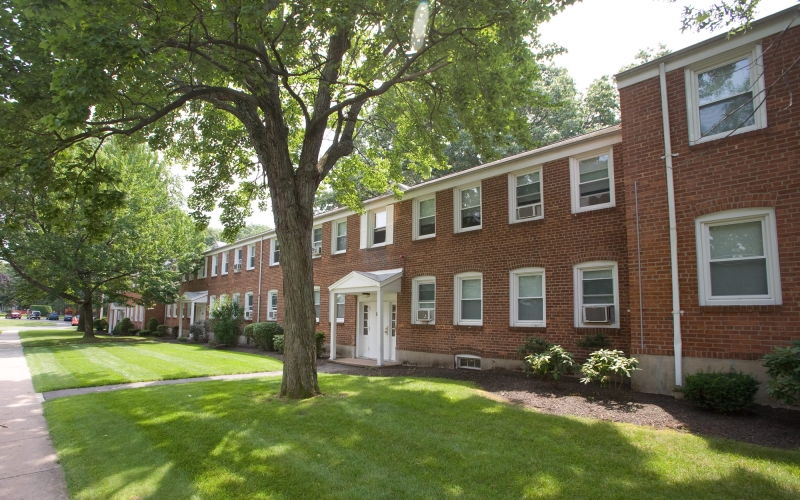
<point x="215" y="234"/>
<point x="733" y="14"/>
<point x="647" y="55"/>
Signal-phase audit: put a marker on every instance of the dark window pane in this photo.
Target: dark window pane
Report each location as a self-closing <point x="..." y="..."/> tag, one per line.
<point x="471" y="217"/>
<point x="739" y="277"/>
<point x="530" y="309"/>
<point x="598" y="287"/>
<point x="427" y="226"/>
<point x="471" y="309"/>
<point x="379" y="236"/>
<point x="727" y="115"/>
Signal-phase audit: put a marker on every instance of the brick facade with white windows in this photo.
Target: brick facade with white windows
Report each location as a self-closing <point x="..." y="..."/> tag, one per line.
<point x="580" y="237"/>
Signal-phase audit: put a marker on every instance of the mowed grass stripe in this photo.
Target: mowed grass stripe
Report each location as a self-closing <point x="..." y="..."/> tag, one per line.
<point x="386" y="438"/>
<point x="196" y="357"/>
<point x="47" y="370"/>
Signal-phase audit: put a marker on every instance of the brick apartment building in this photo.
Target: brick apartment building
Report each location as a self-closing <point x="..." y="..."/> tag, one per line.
<point x="575" y="238"/>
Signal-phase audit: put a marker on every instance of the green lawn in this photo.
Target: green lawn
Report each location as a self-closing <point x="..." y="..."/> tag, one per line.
<point x="62" y="360"/>
<point x="13" y="324"/>
<point x="385" y="438"/>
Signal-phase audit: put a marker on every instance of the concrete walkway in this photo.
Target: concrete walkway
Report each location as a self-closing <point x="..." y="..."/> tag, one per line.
<point x="28" y="466"/>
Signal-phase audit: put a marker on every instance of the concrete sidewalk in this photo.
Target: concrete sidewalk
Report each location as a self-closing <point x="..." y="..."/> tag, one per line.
<point x="28" y="466"/>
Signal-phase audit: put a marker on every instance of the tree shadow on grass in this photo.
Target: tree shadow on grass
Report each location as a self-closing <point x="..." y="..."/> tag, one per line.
<point x="383" y="438"/>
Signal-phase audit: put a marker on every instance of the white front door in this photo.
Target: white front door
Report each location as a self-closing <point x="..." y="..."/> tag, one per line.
<point x="200" y="313"/>
<point x="390" y="331"/>
<point x="367" y="332"/>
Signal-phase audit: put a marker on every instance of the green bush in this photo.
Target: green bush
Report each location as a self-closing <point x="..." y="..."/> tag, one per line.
<point x="161" y="331"/>
<point x="261" y="335"/>
<point x="783" y="368"/>
<point x="554" y="362"/>
<point x="603" y="365"/>
<point x="145" y="333"/>
<point x="101" y="324"/>
<point x="42" y="308"/>
<point x="596" y="341"/>
<point x="124" y="327"/>
<point x="277" y="340"/>
<point x="319" y="339"/>
<point x="182" y="339"/>
<point x="720" y="391"/>
<point x="227" y="322"/>
<point x="533" y="345"/>
<point x="199" y="331"/>
<point x="152" y="324"/>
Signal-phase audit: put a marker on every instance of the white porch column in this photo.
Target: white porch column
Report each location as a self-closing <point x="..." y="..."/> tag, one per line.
<point x="380" y="327"/>
<point x="191" y="313"/>
<point x="180" y="317"/>
<point x="332" y="317"/>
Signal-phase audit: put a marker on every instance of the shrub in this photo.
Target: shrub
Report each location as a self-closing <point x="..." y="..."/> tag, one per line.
<point x="101" y="324"/>
<point x="278" y="342"/>
<point x="783" y="368"/>
<point x="124" y="327"/>
<point x="319" y="339"/>
<point x="554" y="362"/>
<point x="604" y="364"/>
<point x="152" y="324"/>
<point x="145" y="333"/>
<point x="42" y="308"/>
<point x="199" y="331"/>
<point x="161" y="331"/>
<point x="533" y="345"/>
<point x="261" y="335"/>
<point x="720" y="391"/>
<point x="182" y="339"/>
<point x="228" y="321"/>
<point x="596" y="341"/>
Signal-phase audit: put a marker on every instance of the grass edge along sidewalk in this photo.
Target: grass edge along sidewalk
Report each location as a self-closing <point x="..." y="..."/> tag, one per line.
<point x="374" y="437"/>
<point x="62" y="360"/>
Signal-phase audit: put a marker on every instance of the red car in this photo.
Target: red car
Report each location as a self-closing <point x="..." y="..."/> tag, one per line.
<point x="13" y="315"/>
<point x="75" y="320"/>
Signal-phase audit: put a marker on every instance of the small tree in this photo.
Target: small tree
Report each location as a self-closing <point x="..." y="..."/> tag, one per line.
<point x="783" y="368"/>
<point x="152" y="325"/>
<point x="554" y="362"/>
<point x="227" y="322"/>
<point x="603" y="365"/>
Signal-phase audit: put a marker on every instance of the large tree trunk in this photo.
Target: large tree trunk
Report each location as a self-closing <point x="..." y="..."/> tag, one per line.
<point x="86" y="321"/>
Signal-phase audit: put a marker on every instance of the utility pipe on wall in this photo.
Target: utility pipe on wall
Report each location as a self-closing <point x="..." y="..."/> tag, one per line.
<point x="673" y="232"/>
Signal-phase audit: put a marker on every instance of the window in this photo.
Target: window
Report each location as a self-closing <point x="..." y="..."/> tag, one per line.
<point x="175" y="310"/>
<point x="468" y="361"/>
<point x="423" y="301"/>
<point x="225" y="263"/>
<point x="737" y="258"/>
<point x="596" y="294"/>
<point x="248" y="305"/>
<point x="235" y="299"/>
<point x="339" y="236"/>
<point x="202" y="273"/>
<point x="251" y="256"/>
<point x="272" y="305"/>
<point x="213" y="265"/>
<point x="211" y="302"/>
<point x="316" y="242"/>
<point x="377" y="227"/>
<point x="169" y="308"/>
<point x="592" y="178"/>
<point x="468" y="208"/>
<point x="469" y="299"/>
<point x="340" y="308"/>
<point x="316" y="303"/>
<point x="191" y="276"/>
<point x="725" y="95"/>
<point x="527" y="297"/>
<point x="424" y="218"/>
<point x="239" y="261"/>
<point x="525" y="196"/>
<point x="275" y="253"/>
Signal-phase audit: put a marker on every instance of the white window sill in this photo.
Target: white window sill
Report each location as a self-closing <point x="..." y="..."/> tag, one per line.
<point x="379" y="245"/>
<point x="223" y="274"/>
<point x="722" y="135"/>
<point x="340" y="320"/>
<point x="426" y="237"/>
<point x="597" y="325"/>
<point x="275" y="264"/>
<point x="469" y="323"/>
<point x="316" y="256"/>
<point x="530" y="324"/>
<point x="741" y="301"/>
<point x="594" y="207"/>
<point x="467" y="229"/>
<point x="528" y="219"/>
<point x="424" y="324"/>
<point x="250" y="268"/>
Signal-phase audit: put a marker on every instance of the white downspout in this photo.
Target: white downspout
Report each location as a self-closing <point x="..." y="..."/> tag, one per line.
<point x="260" y="275"/>
<point x="673" y="233"/>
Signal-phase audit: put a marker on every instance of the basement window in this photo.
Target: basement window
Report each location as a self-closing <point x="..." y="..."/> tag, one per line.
<point x="468" y="361"/>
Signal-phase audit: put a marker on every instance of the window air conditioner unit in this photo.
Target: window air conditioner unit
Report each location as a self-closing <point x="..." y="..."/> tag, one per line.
<point x="316" y="251"/>
<point x="425" y="315"/>
<point x="598" y="314"/>
<point x="272" y="315"/>
<point x="248" y="315"/>
<point x="237" y="268"/>
<point x="529" y="211"/>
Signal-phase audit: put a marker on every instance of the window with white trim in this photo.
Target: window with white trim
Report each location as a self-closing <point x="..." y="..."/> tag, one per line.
<point x="212" y="300"/>
<point x="251" y="256"/>
<point x="469" y="299"/>
<point x="424" y="218"/>
<point x="468" y="208"/>
<point x="525" y="196"/>
<point x="592" y="180"/>
<point x="339" y="239"/>
<point x="423" y="300"/>
<point x="316" y="242"/>
<point x="175" y="310"/>
<point x="528" y="297"/>
<point x="724" y="95"/>
<point x="248" y="305"/>
<point x="316" y="303"/>
<point x="169" y="310"/>
<point x="214" y="265"/>
<point x="225" y="257"/>
<point x="235" y="299"/>
<point x="272" y="305"/>
<point x="737" y="258"/>
<point x="377" y="227"/>
<point x="596" y="294"/>
<point x="340" y="308"/>
<point x="239" y="262"/>
<point x="274" y="252"/>
<point x="203" y="272"/>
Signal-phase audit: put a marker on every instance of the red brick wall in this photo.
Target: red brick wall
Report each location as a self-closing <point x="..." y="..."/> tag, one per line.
<point x="752" y="169"/>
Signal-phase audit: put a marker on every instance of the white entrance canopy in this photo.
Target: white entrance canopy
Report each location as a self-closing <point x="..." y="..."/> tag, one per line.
<point x="356" y="283"/>
<point x="191" y="298"/>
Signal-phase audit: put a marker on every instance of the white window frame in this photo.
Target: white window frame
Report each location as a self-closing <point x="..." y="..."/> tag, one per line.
<point x="214" y="265"/>
<point x="457" y="295"/>
<point x="239" y="258"/>
<point x="335" y="236"/>
<point x="575" y="180"/>
<point x="248" y="303"/>
<point x="514" y="288"/>
<point x="204" y="269"/>
<point x="770" y="238"/>
<point x="251" y="256"/>
<point x="225" y="263"/>
<point x="415" y="299"/>
<point x="577" y="286"/>
<point x="416" y="213"/>
<point x="512" y="195"/>
<point x="313" y="242"/>
<point x="368" y="227"/>
<point x="211" y="301"/>
<point x="317" y="302"/>
<point x="344" y="309"/>
<point x="755" y="58"/>
<point x="272" y="243"/>
<point x="270" y="294"/>
<point x="175" y="310"/>
<point x="236" y="298"/>
<point x="457" y="207"/>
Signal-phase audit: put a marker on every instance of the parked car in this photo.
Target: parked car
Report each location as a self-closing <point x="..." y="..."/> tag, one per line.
<point x="52" y="316"/>
<point x="34" y="315"/>
<point x="75" y="320"/>
<point x="67" y="317"/>
<point x="13" y="315"/>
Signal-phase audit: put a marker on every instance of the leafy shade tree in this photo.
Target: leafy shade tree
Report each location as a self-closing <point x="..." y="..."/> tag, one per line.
<point x="647" y="55"/>
<point x="72" y="243"/>
<point x="291" y="84"/>
<point x="734" y="15"/>
<point x="214" y="234"/>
